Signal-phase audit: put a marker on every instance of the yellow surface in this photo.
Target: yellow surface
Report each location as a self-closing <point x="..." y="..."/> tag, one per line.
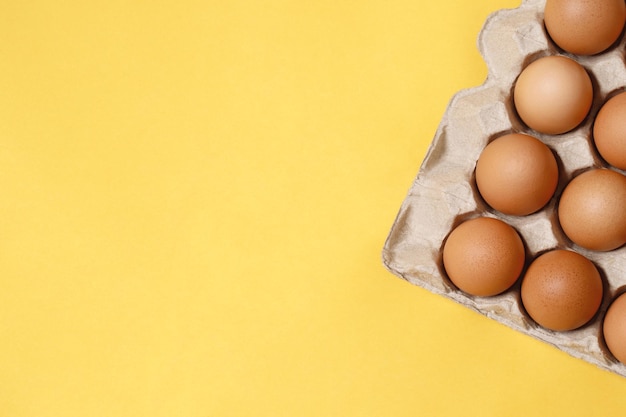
<point x="194" y="197"/>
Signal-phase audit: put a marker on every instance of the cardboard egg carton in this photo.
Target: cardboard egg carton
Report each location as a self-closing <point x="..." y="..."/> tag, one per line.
<point x="444" y="192"/>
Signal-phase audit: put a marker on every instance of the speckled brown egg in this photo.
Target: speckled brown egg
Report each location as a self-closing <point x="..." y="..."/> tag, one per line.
<point x="592" y="210"/>
<point x="614" y="328"/>
<point x="553" y="94"/>
<point x="584" y="27"/>
<point x="561" y="290"/>
<point x="483" y="256"/>
<point x="516" y="174"/>
<point x="609" y="131"/>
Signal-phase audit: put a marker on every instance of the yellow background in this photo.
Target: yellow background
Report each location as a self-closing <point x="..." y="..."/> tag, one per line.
<point x="193" y="200"/>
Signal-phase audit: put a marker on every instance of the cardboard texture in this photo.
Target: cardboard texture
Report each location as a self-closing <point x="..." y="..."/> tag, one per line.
<point x="444" y="193"/>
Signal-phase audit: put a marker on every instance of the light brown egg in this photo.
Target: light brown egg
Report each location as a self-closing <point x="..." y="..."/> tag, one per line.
<point x="584" y="27"/>
<point x="609" y="131"/>
<point x="561" y="290"/>
<point x="483" y="256"/>
<point x="592" y="210"/>
<point x="553" y="94"/>
<point x="614" y="328"/>
<point x="516" y="174"/>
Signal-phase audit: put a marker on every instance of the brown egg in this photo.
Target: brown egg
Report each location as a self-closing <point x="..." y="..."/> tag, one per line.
<point x="584" y="27"/>
<point x="561" y="290"/>
<point x="553" y="94"/>
<point x="614" y="328"/>
<point x="483" y="256"/>
<point x="609" y="131"/>
<point x="517" y="174"/>
<point x="592" y="210"/>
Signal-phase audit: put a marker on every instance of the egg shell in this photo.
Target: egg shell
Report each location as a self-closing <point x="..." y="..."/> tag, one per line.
<point x="483" y="256"/>
<point x="592" y="210"/>
<point x="609" y="131"/>
<point x="517" y="174"/>
<point x="584" y="27"/>
<point x="553" y="94"/>
<point x="562" y="290"/>
<point x="614" y="328"/>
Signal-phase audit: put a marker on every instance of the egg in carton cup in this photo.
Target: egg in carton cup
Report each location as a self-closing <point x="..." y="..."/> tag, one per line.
<point x="447" y="193"/>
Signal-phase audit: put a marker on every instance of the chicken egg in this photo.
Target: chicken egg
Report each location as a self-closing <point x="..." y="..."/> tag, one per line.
<point x="614" y="328"/>
<point x="609" y="131"/>
<point x="561" y="290"/>
<point x="483" y="256"/>
<point x="553" y="94"/>
<point x="592" y="210"/>
<point x="584" y="27"/>
<point x="516" y="174"/>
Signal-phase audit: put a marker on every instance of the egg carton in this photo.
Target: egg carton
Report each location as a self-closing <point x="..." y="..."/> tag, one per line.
<point x="444" y="193"/>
